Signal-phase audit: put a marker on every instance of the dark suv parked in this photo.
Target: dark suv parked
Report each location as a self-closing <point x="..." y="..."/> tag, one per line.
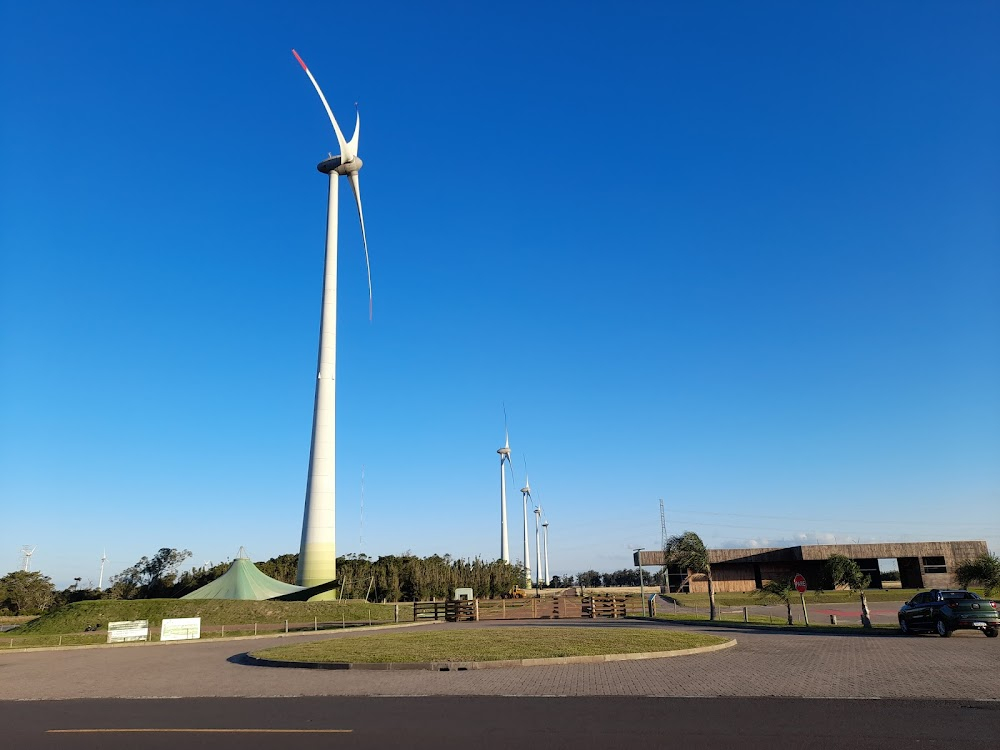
<point x="945" y="611"/>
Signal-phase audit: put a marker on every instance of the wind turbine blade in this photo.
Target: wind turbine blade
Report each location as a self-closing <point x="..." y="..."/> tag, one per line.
<point x="345" y="153"/>
<point x="352" y="177"/>
<point x="352" y="145"/>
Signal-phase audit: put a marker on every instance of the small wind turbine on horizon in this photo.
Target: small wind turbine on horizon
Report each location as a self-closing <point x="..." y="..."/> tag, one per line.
<point x="317" y="551"/>
<point x="26" y="553"/>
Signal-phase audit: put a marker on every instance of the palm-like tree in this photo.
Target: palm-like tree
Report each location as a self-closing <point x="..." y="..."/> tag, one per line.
<point x="688" y="551"/>
<point x="779" y="589"/>
<point x="843" y="571"/>
<point x="984" y="570"/>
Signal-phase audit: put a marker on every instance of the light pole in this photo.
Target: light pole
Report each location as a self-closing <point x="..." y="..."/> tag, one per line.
<point x="642" y="591"/>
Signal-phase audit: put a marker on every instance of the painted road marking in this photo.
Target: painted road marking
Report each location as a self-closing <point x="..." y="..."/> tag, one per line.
<point x="205" y="731"/>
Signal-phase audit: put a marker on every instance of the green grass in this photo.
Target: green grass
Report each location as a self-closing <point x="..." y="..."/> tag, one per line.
<point x="812" y="597"/>
<point x="488" y="644"/>
<point x="16" y="619"/>
<point x="777" y="623"/>
<point x="73" y="618"/>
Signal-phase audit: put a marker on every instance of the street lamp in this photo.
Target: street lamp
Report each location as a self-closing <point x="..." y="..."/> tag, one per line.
<point x="642" y="591"/>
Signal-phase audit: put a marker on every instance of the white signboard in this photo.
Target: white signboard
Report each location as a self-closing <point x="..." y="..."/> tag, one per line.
<point x="180" y="629"/>
<point x="128" y="630"/>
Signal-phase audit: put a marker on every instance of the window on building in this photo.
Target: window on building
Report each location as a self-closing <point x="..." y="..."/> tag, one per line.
<point x="934" y="564"/>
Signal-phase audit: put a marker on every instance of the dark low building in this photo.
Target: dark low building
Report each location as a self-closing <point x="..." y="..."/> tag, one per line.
<point x="921" y="565"/>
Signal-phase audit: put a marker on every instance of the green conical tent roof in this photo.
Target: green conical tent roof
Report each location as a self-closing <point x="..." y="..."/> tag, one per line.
<point x="243" y="581"/>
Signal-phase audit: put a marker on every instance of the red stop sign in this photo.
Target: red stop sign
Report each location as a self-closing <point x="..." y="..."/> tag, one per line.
<point x="800" y="583"/>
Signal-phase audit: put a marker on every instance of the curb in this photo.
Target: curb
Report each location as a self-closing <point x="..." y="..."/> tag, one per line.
<point x="193" y="641"/>
<point x="465" y="666"/>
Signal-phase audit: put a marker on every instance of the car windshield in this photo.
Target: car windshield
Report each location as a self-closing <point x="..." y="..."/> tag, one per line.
<point x="958" y="595"/>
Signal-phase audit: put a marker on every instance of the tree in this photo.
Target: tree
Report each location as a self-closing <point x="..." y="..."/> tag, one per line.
<point x="779" y="589"/>
<point x="149" y="578"/>
<point x="687" y="551"/>
<point x="26" y="593"/>
<point x="843" y="571"/>
<point x="589" y="578"/>
<point x="984" y="570"/>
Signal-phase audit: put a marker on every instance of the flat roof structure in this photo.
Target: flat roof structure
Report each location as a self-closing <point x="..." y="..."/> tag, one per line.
<point x="921" y="564"/>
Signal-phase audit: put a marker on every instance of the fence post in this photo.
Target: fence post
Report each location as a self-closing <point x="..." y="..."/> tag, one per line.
<point x="477" y="610"/>
<point x="223" y="631"/>
<point x="533" y="609"/>
<point x="746" y="616"/>
<point x="286" y="626"/>
<point x="503" y="609"/>
<point x="60" y="640"/>
<point x="255" y="628"/>
<point x="343" y="622"/>
<point x="395" y="614"/>
<point x="833" y="619"/>
<point x="315" y="623"/>
<point x="369" y="616"/>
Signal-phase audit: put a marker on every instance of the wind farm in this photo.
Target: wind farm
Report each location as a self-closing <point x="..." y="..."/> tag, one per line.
<point x="735" y="319"/>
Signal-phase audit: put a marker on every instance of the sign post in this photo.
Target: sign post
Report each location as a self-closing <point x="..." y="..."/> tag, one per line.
<point x="800" y="586"/>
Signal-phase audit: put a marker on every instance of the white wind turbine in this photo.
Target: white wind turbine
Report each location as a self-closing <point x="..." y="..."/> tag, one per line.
<point x="504" y="456"/>
<point x="317" y="551"/>
<point x="545" y="545"/>
<point x="526" y="494"/>
<point x="100" y="580"/>
<point x="538" y="548"/>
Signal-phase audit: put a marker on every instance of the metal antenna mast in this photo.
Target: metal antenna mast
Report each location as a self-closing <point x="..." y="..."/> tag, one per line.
<point x="26" y="553"/>
<point x="663" y="527"/>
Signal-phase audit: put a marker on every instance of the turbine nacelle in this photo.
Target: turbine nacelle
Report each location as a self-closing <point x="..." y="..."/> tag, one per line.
<point x="336" y="164"/>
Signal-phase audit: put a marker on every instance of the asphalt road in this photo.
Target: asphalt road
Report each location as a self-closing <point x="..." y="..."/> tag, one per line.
<point x="495" y="722"/>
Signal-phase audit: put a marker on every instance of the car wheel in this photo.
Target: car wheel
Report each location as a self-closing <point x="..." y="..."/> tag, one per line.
<point x="992" y="632"/>
<point x="905" y="627"/>
<point x="942" y="629"/>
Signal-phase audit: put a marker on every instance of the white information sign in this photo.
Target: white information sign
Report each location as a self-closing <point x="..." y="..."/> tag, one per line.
<point x="180" y="629"/>
<point x="128" y="630"/>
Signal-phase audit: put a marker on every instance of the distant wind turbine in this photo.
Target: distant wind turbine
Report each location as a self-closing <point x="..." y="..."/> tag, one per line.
<point x="504" y="456"/>
<point x="526" y="495"/>
<point x="538" y="548"/>
<point x="100" y="580"/>
<point x="317" y="551"/>
<point x="545" y="544"/>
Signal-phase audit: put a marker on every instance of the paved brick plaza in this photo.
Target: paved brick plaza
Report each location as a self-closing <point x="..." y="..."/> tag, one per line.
<point x="762" y="664"/>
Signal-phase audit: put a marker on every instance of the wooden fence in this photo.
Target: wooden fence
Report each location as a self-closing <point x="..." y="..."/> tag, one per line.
<point x="450" y="611"/>
<point x="603" y="606"/>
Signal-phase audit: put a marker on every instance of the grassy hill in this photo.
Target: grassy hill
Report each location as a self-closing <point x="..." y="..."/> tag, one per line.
<point x="73" y="618"/>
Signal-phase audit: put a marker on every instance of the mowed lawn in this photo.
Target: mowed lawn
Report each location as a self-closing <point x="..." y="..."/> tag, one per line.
<point x="489" y="644"/>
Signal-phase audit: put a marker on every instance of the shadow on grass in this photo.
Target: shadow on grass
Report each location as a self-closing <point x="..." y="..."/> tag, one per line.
<point x="742" y="627"/>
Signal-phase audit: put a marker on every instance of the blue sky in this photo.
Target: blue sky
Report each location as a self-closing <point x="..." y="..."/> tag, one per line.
<point x="742" y="258"/>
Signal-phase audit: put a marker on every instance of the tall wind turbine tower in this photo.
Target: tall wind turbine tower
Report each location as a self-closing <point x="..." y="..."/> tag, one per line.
<point x="538" y="549"/>
<point x="26" y="553"/>
<point x="504" y="456"/>
<point x="525" y="494"/>
<point x="545" y="544"/>
<point x="100" y="581"/>
<point x="317" y="551"/>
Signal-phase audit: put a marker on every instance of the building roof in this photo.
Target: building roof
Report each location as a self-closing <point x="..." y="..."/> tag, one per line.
<point x="243" y="581"/>
<point x="956" y="549"/>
